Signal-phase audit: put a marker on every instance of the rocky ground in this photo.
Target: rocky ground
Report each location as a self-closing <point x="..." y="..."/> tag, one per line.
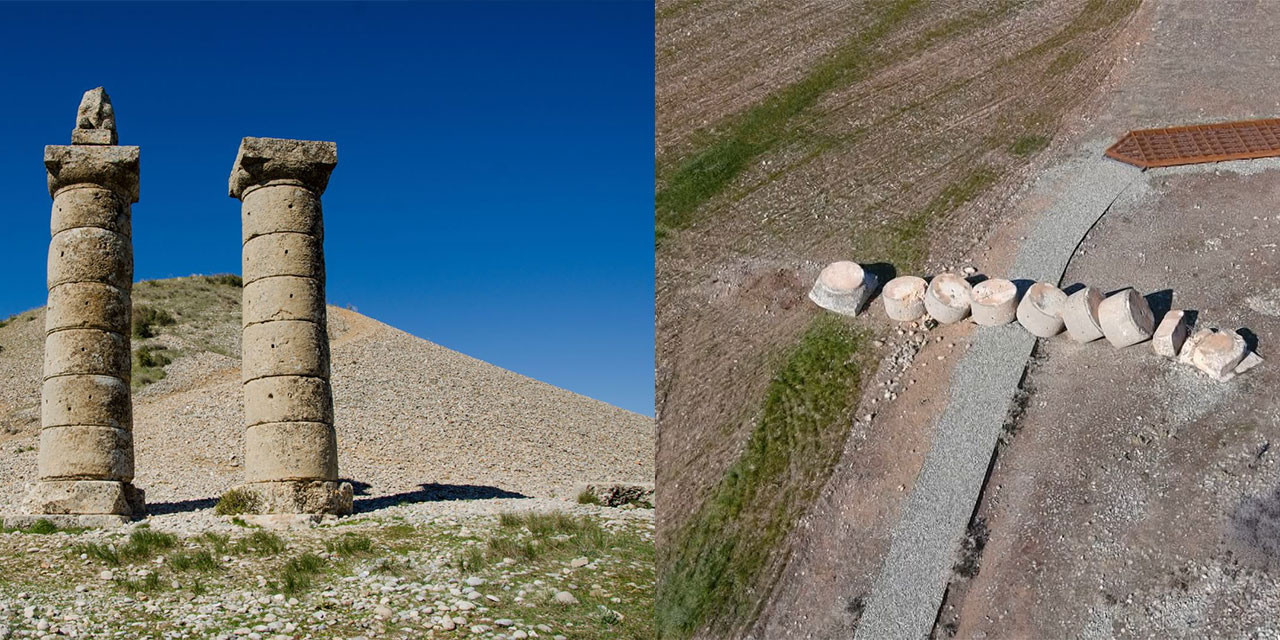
<point x="438" y="445"/>
<point x="501" y="569"/>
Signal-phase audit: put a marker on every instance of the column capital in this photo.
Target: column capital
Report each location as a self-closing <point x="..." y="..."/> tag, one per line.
<point x="262" y="161"/>
<point x="107" y="166"/>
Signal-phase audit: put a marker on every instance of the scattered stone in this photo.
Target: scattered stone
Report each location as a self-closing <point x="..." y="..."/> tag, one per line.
<point x="904" y="298"/>
<point x="995" y="302"/>
<point x="578" y="562"/>
<point x="948" y="298"/>
<point x="1170" y="335"/>
<point x="564" y="597"/>
<point x="1040" y="311"/>
<point x="843" y="287"/>
<point x="1126" y="318"/>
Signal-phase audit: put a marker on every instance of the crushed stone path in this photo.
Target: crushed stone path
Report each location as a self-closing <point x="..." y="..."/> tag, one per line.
<point x="912" y="582"/>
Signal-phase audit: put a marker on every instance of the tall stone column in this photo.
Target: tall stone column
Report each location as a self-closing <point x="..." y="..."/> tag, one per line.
<point x="291" y="453"/>
<point x="86" y="436"/>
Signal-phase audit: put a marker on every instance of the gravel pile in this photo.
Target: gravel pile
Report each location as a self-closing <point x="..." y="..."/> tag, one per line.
<point x="415" y="421"/>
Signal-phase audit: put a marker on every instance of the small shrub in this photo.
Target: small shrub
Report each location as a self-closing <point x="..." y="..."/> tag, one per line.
<point x="472" y="559"/>
<point x="146" y="319"/>
<point x="588" y="497"/>
<point x="391" y="567"/>
<point x="144" y="543"/>
<point x="149" y="357"/>
<point x="150" y="584"/>
<point x="236" y="502"/>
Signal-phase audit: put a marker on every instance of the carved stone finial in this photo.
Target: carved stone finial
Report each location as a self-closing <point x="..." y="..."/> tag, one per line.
<point x="95" y="119"/>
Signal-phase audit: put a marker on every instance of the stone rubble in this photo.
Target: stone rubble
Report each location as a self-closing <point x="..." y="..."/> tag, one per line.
<point x="1125" y="318"/>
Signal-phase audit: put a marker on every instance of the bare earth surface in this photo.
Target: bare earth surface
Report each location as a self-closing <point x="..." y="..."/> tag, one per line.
<point x="1139" y="498"/>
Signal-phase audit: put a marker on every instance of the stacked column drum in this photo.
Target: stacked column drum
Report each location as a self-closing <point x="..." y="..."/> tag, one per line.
<point x="291" y="459"/>
<point x="86" y="439"/>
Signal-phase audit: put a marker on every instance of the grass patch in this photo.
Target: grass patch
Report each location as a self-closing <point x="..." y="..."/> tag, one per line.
<point x="146" y="319"/>
<point x="709" y="171"/>
<point x="262" y="543"/>
<point x="148" y="365"/>
<point x="142" y="544"/>
<point x="225" y="279"/>
<point x="718" y="559"/>
<point x="237" y="502"/>
<point x="588" y="497"/>
<point x="904" y="242"/>
<point x="349" y="544"/>
<point x="1026" y="145"/>
<point x="148" y="584"/>
<point x="219" y="542"/>
<point x="296" y="575"/>
<point x="530" y="537"/>
<point x="192" y="561"/>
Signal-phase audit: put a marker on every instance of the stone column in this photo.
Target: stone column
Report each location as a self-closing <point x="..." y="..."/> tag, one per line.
<point x="86" y="436"/>
<point x="291" y="454"/>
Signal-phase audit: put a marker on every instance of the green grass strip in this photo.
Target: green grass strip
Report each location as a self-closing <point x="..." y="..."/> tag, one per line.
<point x="707" y="172"/>
<point x="716" y="561"/>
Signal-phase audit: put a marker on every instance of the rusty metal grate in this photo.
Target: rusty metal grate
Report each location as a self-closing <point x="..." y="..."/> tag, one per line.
<point x="1199" y="143"/>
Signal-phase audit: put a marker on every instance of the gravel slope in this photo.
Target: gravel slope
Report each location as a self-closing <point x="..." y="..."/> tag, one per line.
<point x="409" y="413"/>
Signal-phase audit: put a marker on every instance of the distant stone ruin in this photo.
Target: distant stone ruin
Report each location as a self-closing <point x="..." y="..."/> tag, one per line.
<point x="86" y="463"/>
<point x="291" y="452"/>
<point x="86" y="436"/>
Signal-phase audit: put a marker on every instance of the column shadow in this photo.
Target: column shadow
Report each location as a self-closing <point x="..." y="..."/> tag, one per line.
<point x="180" y="506"/>
<point x="434" y="493"/>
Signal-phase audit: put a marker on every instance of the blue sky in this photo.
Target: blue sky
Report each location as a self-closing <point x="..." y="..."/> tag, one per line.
<point x="494" y="187"/>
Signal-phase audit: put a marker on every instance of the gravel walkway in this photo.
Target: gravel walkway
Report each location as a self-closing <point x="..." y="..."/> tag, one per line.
<point x="904" y="602"/>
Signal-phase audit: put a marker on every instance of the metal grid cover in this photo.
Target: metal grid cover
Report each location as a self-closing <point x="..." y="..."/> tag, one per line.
<point x="1199" y="143"/>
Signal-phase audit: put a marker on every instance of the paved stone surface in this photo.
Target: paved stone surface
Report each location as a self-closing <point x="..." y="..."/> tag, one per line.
<point x="905" y="600"/>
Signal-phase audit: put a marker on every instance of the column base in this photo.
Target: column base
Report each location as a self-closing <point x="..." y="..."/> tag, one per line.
<point x="90" y="500"/>
<point x="301" y="496"/>
<point x="65" y="521"/>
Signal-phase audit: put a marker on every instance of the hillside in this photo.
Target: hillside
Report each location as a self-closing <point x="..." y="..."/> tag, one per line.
<point x="408" y="412"/>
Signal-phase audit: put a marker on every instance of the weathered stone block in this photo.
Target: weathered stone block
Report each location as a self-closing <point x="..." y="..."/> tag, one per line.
<point x="90" y="206"/>
<point x="1040" y="311"/>
<point x="290" y="451"/>
<point x="948" y="298"/>
<point x="89" y="254"/>
<point x="303" y="496"/>
<point x="1126" y="318"/>
<point x="93" y="136"/>
<point x="85" y="497"/>
<point x="995" y="302"/>
<point x="285" y="348"/>
<point x="904" y="298"/>
<point x="88" y="305"/>
<point x="1170" y="335"/>
<point x="86" y="351"/>
<point x="287" y="399"/>
<point x="86" y="400"/>
<point x="282" y="254"/>
<point x="283" y="298"/>
<point x="261" y="161"/>
<point x="1216" y="353"/>
<point x="111" y="167"/>
<point x="843" y="287"/>
<point x="1080" y="315"/>
<point x="100" y="453"/>
<point x="280" y="209"/>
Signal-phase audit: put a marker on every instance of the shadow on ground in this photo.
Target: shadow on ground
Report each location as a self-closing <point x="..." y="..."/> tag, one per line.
<point x="180" y="506"/>
<point x="431" y="493"/>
